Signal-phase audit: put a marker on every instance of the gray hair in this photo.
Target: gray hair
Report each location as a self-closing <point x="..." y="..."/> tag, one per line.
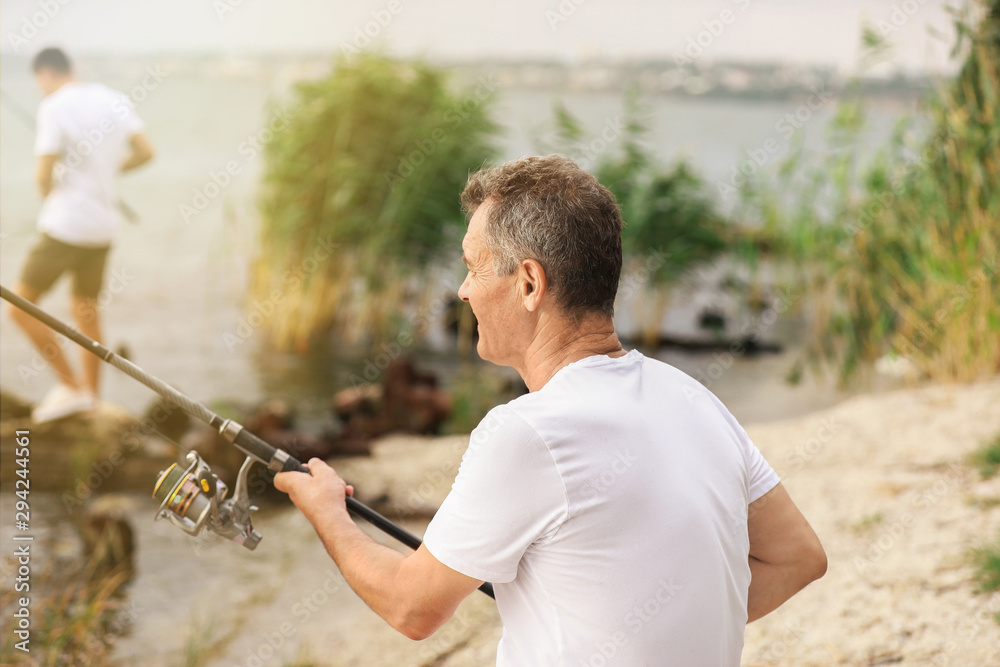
<point x="550" y="210"/>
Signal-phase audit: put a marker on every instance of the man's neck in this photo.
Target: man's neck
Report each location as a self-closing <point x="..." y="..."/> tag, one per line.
<point x="559" y="343"/>
<point x="59" y="83"/>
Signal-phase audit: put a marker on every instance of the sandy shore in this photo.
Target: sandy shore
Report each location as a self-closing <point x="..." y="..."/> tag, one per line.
<point x="882" y="478"/>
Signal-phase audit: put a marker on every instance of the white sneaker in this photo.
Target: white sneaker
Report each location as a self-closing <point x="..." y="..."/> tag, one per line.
<point x="62" y="401"/>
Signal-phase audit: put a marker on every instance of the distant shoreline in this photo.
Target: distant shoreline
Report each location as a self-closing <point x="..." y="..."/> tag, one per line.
<point x="700" y="80"/>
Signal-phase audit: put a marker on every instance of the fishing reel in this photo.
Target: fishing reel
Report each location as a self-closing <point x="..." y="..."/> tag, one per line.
<point x="195" y="498"/>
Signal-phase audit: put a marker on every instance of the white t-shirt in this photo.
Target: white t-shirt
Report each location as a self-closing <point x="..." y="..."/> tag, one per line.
<point x="89" y="127"/>
<point x="609" y="508"/>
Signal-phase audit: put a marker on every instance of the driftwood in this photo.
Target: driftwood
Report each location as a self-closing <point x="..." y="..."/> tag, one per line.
<point x="407" y="401"/>
<point x="747" y="346"/>
<point x="108" y="540"/>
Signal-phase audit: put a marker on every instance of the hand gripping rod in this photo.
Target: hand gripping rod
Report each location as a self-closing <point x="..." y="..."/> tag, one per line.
<point x="275" y="459"/>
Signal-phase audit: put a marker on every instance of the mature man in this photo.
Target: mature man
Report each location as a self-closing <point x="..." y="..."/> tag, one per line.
<point x="621" y="512"/>
<point x="87" y="133"/>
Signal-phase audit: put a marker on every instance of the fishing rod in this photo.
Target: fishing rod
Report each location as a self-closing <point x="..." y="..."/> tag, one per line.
<point x="29" y="120"/>
<point x="194" y="498"/>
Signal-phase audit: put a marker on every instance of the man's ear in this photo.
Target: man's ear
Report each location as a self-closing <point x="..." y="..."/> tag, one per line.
<point x="531" y="284"/>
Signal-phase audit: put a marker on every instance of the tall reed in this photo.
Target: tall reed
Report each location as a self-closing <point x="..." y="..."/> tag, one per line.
<point x="360" y="197"/>
<point x="902" y="256"/>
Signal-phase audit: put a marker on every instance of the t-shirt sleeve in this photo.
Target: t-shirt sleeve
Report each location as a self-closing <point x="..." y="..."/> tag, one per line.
<point x="761" y="475"/>
<point x="49" y="135"/>
<point x="508" y="494"/>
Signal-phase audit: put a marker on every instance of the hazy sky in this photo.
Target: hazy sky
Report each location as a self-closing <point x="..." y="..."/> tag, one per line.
<point x="815" y="31"/>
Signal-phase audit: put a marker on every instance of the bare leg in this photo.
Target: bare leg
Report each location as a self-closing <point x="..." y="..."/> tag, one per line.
<point x="89" y="321"/>
<point x="43" y="338"/>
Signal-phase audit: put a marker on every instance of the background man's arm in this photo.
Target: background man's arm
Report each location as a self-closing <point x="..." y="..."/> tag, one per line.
<point x="785" y="554"/>
<point x="414" y="593"/>
<point x="142" y="152"/>
<point x="44" y="166"/>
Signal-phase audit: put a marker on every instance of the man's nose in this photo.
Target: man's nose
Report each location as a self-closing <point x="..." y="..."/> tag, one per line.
<point x="463" y="290"/>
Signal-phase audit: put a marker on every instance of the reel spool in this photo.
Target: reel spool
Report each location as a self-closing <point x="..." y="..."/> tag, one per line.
<point x="195" y="498"/>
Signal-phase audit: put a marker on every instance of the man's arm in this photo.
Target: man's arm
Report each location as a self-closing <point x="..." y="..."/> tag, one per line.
<point x="142" y="152"/>
<point x="785" y="554"/>
<point x="44" y="166"/>
<point x="414" y="593"/>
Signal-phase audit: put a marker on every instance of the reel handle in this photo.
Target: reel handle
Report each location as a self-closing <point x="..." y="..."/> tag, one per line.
<point x="208" y="481"/>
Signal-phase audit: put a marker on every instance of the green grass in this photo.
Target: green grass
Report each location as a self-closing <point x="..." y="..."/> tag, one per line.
<point x="984" y="502"/>
<point x="987" y="458"/>
<point x="198" y="647"/>
<point x="867" y="522"/>
<point x="72" y="621"/>
<point x="986" y="560"/>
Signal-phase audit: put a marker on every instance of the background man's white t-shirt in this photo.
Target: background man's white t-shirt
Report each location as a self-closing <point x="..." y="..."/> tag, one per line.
<point x="89" y="126"/>
<point x="609" y="508"/>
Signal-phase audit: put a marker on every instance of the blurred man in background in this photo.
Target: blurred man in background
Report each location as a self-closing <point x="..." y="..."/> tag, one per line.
<point x="86" y="134"/>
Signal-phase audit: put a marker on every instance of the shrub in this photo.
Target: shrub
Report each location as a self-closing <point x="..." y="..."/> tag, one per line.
<point x="361" y="197"/>
<point x="902" y="256"/>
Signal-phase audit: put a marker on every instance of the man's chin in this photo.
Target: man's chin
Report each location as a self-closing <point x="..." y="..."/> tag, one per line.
<point x="483" y="350"/>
